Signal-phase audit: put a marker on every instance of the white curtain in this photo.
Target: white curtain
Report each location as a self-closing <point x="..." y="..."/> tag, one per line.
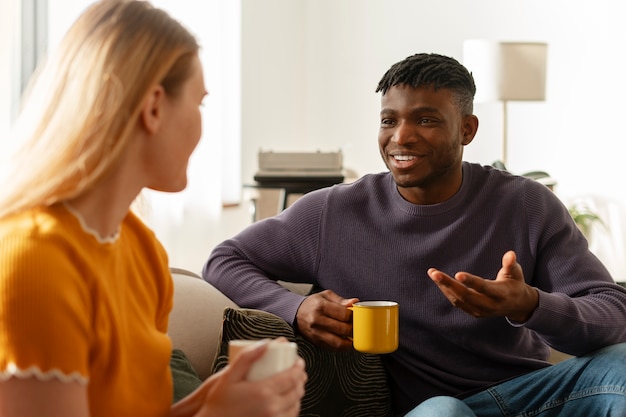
<point x="185" y="221"/>
<point x="182" y="221"/>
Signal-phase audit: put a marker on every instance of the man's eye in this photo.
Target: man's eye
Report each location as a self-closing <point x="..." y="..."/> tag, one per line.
<point x="426" y="121"/>
<point x="386" y="122"/>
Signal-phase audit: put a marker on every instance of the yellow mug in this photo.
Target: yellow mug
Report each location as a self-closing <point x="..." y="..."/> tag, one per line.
<point x="375" y="326"/>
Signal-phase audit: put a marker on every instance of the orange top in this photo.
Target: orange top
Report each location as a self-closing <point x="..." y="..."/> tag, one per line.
<point x="79" y="308"/>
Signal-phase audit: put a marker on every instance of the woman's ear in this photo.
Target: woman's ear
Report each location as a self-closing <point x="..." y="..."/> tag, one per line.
<point x="152" y="110"/>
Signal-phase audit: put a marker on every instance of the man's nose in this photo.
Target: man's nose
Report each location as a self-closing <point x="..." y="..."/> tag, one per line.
<point x="404" y="133"/>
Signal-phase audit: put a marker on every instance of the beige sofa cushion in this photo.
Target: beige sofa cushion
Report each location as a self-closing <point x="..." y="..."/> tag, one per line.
<point x="196" y="319"/>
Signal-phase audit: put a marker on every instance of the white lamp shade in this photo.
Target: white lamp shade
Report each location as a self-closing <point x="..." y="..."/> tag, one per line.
<point x="507" y="71"/>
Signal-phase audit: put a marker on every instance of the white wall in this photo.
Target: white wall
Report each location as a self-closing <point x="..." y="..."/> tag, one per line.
<point x="310" y="67"/>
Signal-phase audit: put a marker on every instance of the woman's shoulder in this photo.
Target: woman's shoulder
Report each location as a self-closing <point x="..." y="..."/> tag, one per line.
<point x="38" y="242"/>
<point x="138" y="235"/>
<point x="35" y="227"/>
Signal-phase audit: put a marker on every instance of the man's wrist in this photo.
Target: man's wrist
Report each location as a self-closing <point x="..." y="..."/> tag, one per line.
<point x="533" y="297"/>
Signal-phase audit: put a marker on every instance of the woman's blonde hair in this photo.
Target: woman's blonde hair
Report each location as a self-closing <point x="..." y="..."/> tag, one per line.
<point x="84" y="102"/>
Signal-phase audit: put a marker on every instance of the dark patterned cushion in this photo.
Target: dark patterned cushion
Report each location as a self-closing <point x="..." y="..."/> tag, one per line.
<point x="346" y="384"/>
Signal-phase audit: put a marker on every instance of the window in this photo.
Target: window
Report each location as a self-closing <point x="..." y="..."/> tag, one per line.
<point x="29" y="28"/>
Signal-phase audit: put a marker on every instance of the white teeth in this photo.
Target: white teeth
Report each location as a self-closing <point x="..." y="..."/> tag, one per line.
<point x="404" y="157"/>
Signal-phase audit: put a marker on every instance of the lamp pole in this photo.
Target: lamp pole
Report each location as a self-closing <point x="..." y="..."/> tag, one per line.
<point x="505" y="145"/>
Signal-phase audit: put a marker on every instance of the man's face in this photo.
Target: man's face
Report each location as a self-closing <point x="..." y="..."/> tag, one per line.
<point x="421" y="139"/>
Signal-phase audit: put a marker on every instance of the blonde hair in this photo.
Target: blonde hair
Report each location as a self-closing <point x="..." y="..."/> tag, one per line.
<point x="84" y="102"/>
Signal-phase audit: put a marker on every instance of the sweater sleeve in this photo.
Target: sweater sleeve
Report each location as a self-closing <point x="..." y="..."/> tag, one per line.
<point x="284" y="247"/>
<point x="43" y="302"/>
<point x="583" y="322"/>
<point x="581" y="308"/>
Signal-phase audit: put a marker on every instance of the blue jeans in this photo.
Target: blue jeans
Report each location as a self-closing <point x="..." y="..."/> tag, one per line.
<point x="588" y="386"/>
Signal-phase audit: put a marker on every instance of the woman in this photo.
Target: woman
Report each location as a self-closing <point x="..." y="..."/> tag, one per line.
<point x="85" y="289"/>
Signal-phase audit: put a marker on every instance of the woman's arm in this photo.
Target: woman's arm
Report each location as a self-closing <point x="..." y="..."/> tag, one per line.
<point x="32" y="397"/>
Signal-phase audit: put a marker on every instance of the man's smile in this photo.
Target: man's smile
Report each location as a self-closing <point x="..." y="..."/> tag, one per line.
<point x="404" y="160"/>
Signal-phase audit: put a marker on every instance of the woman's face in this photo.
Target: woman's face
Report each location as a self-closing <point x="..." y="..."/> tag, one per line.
<point x="178" y="135"/>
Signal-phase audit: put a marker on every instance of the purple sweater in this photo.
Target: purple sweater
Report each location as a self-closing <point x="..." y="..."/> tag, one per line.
<point x="364" y="240"/>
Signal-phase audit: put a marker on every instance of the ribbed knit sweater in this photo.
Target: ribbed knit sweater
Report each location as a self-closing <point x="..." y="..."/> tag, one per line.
<point x="364" y="240"/>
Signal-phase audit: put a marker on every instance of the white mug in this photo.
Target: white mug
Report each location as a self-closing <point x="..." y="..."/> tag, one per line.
<point x="278" y="357"/>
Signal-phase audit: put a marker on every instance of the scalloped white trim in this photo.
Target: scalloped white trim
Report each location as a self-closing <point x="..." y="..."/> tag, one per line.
<point x="89" y="230"/>
<point x="34" y="371"/>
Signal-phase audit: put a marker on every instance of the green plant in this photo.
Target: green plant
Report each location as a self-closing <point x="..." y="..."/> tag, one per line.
<point x="584" y="218"/>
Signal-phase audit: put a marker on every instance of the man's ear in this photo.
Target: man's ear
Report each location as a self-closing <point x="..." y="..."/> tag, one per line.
<point x="470" y="127"/>
<point x="152" y="109"/>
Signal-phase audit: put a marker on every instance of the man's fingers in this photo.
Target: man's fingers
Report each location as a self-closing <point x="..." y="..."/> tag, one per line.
<point x="436" y="275"/>
<point x="324" y="319"/>
<point x="508" y="295"/>
<point x="331" y="334"/>
<point x="332" y="296"/>
<point x="449" y="285"/>
<point x="473" y="282"/>
<point x="318" y="309"/>
<point x="509" y="259"/>
<point x="348" y="302"/>
<point x="464" y="291"/>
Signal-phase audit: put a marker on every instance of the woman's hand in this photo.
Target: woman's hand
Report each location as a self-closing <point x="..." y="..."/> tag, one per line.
<point x="229" y="394"/>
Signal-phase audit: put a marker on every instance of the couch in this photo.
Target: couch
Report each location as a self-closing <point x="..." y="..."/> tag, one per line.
<point x="203" y="320"/>
<point x="348" y="384"/>
<point x="198" y="302"/>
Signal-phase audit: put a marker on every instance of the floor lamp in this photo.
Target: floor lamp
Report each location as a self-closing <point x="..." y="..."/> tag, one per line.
<point x="506" y="71"/>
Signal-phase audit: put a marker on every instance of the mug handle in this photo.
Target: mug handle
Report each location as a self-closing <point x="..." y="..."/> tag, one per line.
<point x="351" y="337"/>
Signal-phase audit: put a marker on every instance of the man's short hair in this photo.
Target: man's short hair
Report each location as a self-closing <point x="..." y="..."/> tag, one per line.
<point x="438" y="71"/>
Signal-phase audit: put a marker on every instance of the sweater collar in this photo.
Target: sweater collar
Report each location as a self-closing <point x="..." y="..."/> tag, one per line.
<point x="433" y="209"/>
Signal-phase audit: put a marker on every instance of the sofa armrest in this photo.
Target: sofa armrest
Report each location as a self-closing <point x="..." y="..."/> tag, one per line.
<point x="196" y="319"/>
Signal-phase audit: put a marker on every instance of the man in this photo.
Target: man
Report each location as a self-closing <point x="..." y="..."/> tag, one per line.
<point x="409" y="235"/>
